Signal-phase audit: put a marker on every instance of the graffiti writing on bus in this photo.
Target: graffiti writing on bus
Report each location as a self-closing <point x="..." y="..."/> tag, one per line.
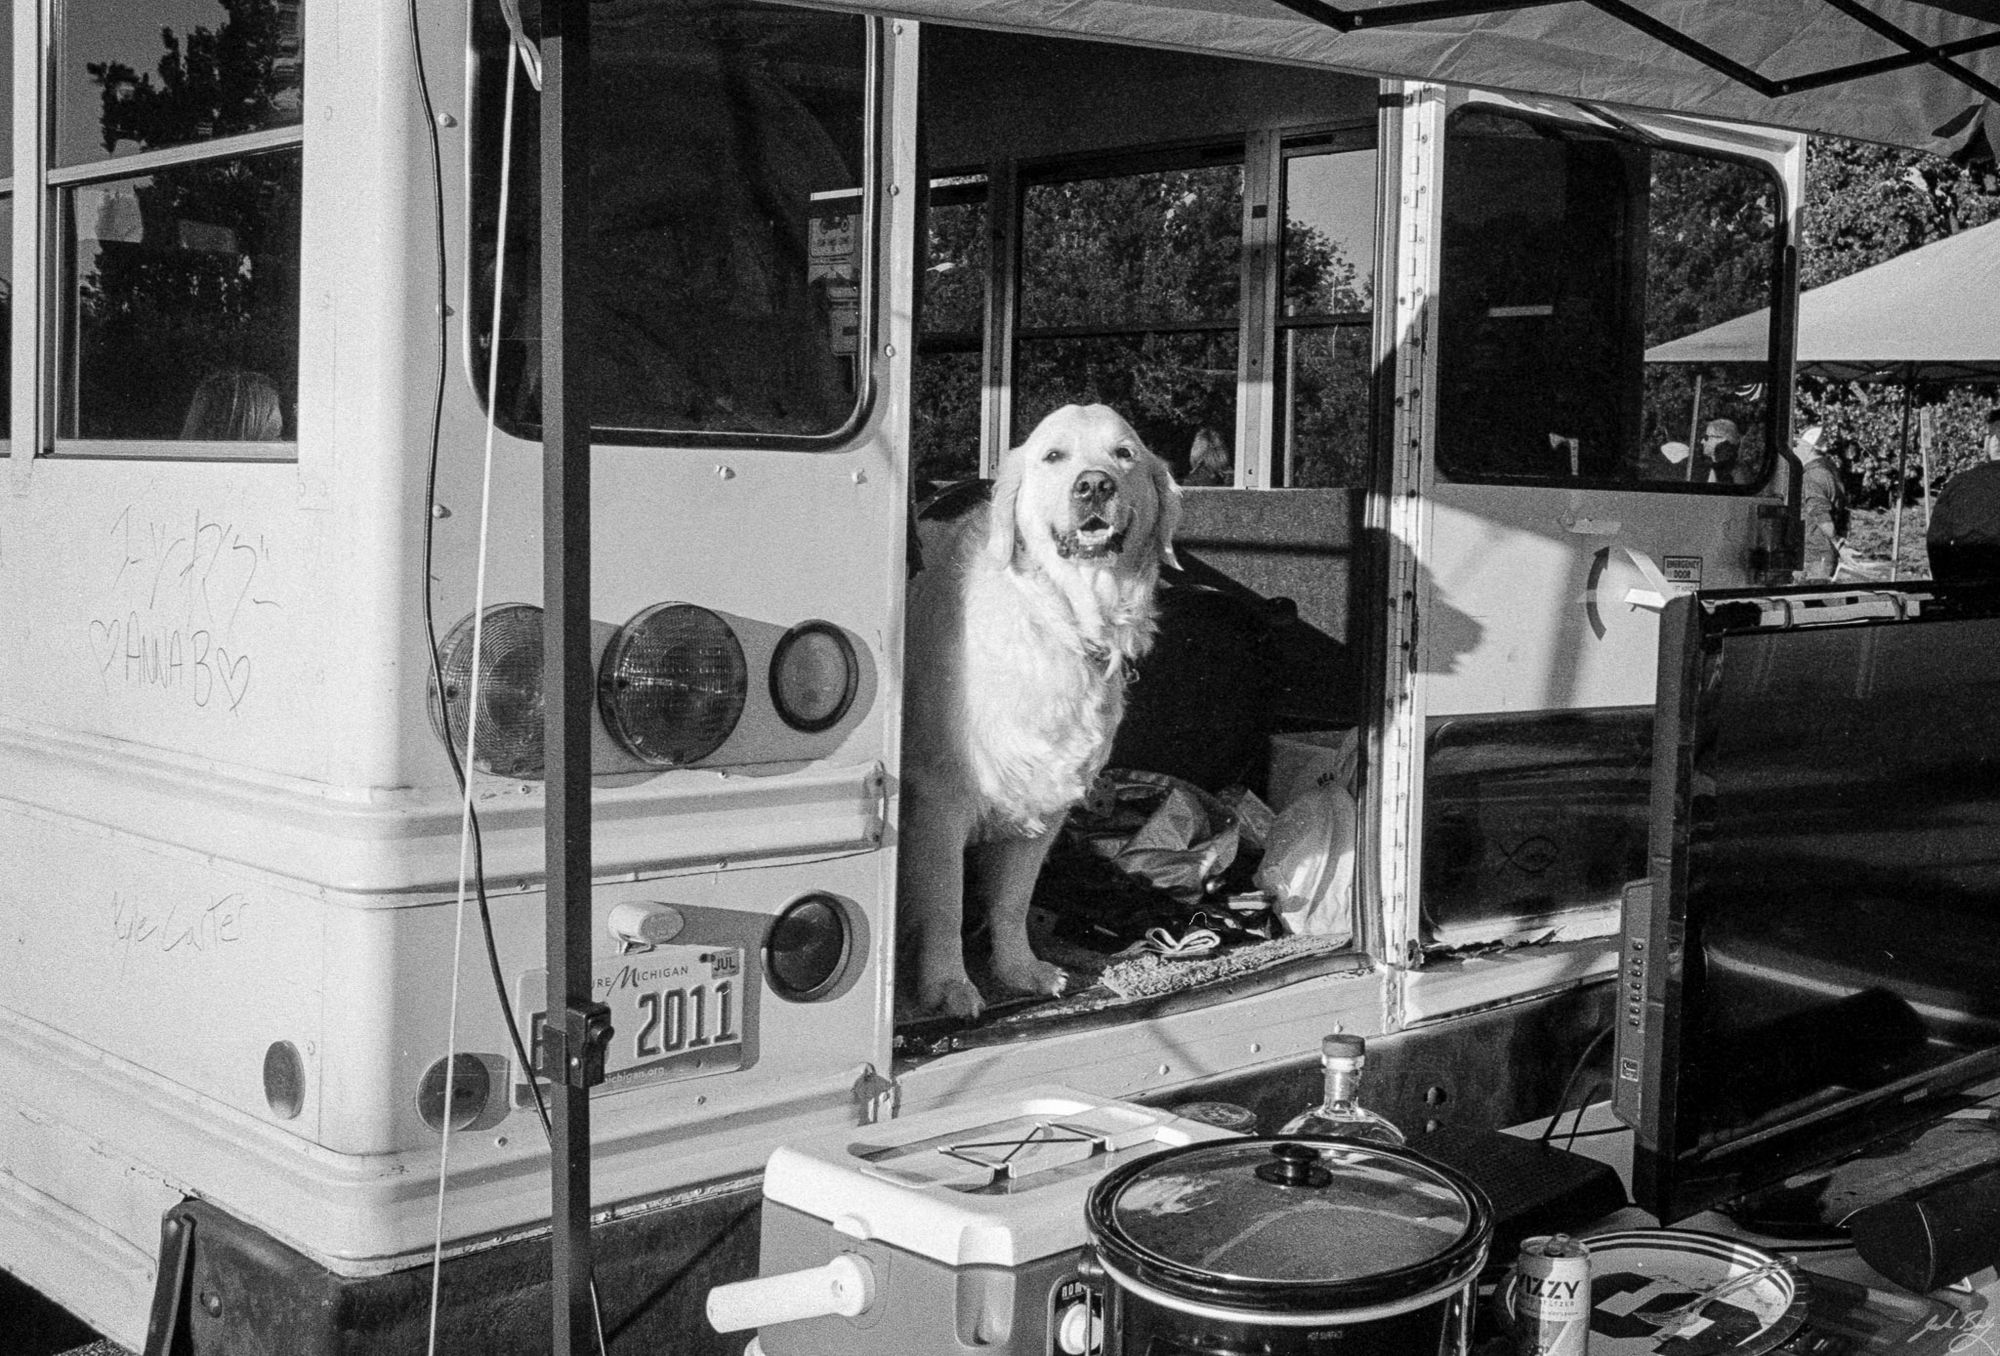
<point x="175" y="929"/>
<point x="179" y="594"/>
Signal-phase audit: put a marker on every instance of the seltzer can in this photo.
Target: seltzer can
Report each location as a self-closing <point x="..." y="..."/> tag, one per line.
<point x="1552" y="1297"/>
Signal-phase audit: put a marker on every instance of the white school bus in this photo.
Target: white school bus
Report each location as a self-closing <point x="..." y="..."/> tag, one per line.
<point x="274" y="433"/>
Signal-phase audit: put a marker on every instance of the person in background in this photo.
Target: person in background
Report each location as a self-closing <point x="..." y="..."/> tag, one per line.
<point x="1822" y="507"/>
<point x="1716" y="461"/>
<point x="235" y="405"/>
<point x="1208" y="460"/>
<point x="1964" y="536"/>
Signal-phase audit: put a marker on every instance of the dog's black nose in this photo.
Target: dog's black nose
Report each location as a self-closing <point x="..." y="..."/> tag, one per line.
<point x="1092" y="488"/>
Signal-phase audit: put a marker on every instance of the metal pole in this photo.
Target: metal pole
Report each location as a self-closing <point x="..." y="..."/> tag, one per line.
<point x="567" y="678"/>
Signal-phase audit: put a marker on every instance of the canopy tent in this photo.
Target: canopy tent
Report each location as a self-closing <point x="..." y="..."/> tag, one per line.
<point x="1904" y="72"/>
<point x="1930" y="315"/>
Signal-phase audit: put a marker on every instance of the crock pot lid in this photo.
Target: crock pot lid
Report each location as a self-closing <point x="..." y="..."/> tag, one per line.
<point x="1299" y="1211"/>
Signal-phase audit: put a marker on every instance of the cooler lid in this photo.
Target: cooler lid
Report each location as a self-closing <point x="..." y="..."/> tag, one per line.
<point x="1291" y="1222"/>
<point x="998" y="1183"/>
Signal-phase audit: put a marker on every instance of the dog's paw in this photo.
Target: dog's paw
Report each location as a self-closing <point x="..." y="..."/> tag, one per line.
<point x="1036" y="976"/>
<point x="956" y="996"/>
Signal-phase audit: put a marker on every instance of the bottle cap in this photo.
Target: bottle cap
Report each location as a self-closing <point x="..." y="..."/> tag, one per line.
<point x="1343" y="1046"/>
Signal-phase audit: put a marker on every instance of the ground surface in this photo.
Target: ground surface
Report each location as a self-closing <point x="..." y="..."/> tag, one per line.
<point x="31" y="1326"/>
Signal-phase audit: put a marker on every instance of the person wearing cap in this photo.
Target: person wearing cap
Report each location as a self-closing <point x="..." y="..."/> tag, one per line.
<point x="1964" y="535"/>
<point x="1716" y="461"/>
<point x="1822" y="507"/>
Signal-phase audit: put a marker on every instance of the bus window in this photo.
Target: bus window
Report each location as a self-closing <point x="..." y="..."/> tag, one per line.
<point x="1567" y="255"/>
<point x="1326" y="313"/>
<point x="1131" y="289"/>
<point x="726" y="288"/>
<point x="179" y="271"/>
<point x="951" y="321"/>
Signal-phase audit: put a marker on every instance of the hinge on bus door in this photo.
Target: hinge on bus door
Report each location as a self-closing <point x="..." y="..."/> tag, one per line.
<point x="573" y="1053"/>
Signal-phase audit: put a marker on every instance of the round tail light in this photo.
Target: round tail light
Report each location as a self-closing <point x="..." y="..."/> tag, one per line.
<point x="806" y="951"/>
<point x="508" y="741"/>
<point x="672" y="684"/>
<point x="813" y="676"/>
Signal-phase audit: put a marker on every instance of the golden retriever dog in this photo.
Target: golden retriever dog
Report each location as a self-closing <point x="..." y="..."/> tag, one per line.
<point x="1020" y="633"/>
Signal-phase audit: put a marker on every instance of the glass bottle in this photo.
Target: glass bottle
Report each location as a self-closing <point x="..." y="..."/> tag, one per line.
<point x="1341" y="1115"/>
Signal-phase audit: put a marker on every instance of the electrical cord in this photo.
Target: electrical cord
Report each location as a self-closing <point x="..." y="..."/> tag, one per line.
<point x="1569" y="1084"/>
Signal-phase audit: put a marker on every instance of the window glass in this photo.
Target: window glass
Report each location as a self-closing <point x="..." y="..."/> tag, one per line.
<point x="140" y="75"/>
<point x="1327" y="284"/>
<point x="1569" y="259"/>
<point x="951" y="319"/>
<point x="181" y="302"/>
<point x="1130" y="293"/>
<point x="724" y="282"/>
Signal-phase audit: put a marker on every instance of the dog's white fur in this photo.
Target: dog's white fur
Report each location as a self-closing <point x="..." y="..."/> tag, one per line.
<point x="1019" y="634"/>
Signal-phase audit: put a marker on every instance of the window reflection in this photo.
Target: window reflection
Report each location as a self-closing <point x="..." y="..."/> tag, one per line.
<point x="174" y="279"/>
<point x="724" y="270"/>
<point x="136" y="76"/>
<point x="1567" y="256"/>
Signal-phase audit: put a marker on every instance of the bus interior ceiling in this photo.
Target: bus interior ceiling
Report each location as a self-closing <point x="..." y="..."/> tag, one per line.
<point x="1262" y="628"/>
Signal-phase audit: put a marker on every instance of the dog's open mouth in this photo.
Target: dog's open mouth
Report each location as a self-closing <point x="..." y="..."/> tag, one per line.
<point x="1092" y="539"/>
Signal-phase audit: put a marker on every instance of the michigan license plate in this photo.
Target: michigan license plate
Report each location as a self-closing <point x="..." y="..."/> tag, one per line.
<point x="676" y="1012"/>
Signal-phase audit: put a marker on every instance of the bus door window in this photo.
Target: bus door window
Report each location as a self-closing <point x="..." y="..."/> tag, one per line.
<point x="176" y="163"/>
<point x="1570" y="254"/>
<point x="1326" y="312"/>
<point x="945" y="374"/>
<point x="727" y="276"/>
<point x="1130" y="295"/>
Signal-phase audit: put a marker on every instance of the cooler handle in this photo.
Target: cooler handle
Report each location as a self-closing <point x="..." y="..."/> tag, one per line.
<point x="844" y="1287"/>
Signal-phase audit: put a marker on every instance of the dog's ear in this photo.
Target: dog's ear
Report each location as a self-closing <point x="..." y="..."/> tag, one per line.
<point x="1000" y="526"/>
<point x="1168" y="495"/>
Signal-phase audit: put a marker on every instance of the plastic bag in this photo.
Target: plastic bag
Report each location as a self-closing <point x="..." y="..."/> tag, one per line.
<point x="1168" y="833"/>
<point x="1308" y="866"/>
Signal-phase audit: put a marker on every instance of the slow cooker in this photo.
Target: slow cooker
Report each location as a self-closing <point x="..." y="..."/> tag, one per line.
<point x="1269" y="1246"/>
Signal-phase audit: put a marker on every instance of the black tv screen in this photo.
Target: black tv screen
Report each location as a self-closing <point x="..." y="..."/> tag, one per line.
<point x="1814" y="961"/>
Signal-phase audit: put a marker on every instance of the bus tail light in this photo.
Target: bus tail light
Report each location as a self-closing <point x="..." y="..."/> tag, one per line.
<point x="806" y="953"/>
<point x="509" y="742"/>
<point x="672" y="684"/>
<point x="814" y="675"/>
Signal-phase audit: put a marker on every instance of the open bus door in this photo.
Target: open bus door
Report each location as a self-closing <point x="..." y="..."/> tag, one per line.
<point x="1566" y="489"/>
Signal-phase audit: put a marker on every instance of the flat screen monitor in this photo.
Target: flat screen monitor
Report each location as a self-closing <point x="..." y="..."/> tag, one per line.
<point x="1813" y="962"/>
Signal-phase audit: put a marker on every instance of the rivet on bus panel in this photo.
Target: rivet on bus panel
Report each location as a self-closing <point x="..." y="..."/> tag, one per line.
<point x="726" y="472"/>
<point x="447" y="120"/>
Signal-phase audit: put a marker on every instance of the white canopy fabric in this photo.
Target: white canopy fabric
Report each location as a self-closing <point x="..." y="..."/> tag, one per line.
<point x="1931" y="314"/>
<point x="1584" y="50"/>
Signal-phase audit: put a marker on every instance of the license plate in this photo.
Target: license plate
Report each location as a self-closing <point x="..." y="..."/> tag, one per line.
<point x="676" y="1012"/>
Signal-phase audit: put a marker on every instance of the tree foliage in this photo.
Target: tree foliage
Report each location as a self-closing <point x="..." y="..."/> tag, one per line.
<point x="1865" y="204"/>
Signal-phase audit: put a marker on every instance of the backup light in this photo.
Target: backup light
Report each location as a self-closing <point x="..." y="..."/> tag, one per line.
<point x="672" y="684"/>
<point x="813" y="676"/>
<point x="509" y="742"/>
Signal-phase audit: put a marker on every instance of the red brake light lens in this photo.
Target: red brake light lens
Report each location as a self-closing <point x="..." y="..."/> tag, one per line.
<point x="813" y="676"/>
<point x="509" y="742"/>
<point x="672" y="684"/>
